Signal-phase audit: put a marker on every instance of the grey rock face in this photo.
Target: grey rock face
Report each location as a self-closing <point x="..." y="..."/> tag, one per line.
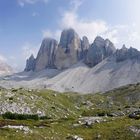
<point x="46" y="54"/>
<point x="68" y="52"/>
<point x="84" y="48"/>
<point x="30" y="63"/>
<point x="99" y="50"/>
<point x="125" y="53"/>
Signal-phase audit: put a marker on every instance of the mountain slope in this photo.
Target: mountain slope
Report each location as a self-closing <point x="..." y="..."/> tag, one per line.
<point x="68" y="80"/>
<point x="105" y="76"/>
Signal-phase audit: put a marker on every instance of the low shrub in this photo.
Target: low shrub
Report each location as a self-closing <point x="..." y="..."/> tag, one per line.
<point x="96" y="112"/>
<point x="11" y="98"/>
<point x="14" y="90"/>
<point x="44" y="118"/>
<point x="15" y="116"/>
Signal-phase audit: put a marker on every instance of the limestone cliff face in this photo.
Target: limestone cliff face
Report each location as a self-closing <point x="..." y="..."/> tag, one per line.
<point x="46" y="54"/>
<point x="68" y="52"/>
<point x="99" y="50"/>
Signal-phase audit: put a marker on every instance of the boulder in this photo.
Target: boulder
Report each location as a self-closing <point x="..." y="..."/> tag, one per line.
<point x="135" y="115"/>
<point x="75" y="137"/>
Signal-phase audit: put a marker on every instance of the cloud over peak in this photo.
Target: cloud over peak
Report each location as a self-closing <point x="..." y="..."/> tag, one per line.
<point x="118" y="34"/>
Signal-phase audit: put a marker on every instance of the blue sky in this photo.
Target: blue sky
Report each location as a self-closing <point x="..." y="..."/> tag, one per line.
<point x="24" y="23"/>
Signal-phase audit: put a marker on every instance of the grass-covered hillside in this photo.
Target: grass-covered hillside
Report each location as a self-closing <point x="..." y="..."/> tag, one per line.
<point x="40" y="114"/>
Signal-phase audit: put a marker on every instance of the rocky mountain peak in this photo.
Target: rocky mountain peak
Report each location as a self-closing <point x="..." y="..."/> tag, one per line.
<point x="45" y="57"/>
<point x="69" y="49"/>
<point x="67" y="36"/>
<point x="31" y="57"/>
<point x="85" y="43"/>
<point x="124" y="47"/>
<point x="99" y="50"/>
<point x="99" y="41"/>
<point x="72" y="49"/>
<point x="46" y="54"/>
<point x="84" y="48"/>
<point x="30" y="63"/>
<point x="47" y="43"/>
<point x="125" y="53"/>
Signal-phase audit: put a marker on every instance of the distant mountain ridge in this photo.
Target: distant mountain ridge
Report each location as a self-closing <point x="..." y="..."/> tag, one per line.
<point x="5" y="69"/>
<point x="70" y="50"/>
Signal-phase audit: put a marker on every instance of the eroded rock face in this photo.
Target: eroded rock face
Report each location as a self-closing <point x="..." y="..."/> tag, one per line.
<point x="84" y="48"/>
<point x="30" y="63"/>
<point x="46" y="54"/>
<point x="68" y="52"/>
<point x="124" y="53"/>
<point x="99" y="50"/>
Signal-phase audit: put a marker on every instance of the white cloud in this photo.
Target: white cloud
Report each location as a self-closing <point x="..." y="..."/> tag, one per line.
<point x="28" y="49"/>
<point x="23" y="2"/>
<point x="2" y="58"/>
<point x="75" y="4"/>
<point x="89" y="28"/>
<point x="70" y="19"/>
<point x="47" y="33"/>
<point x="112" y="35"/>
<point x="134" y="36"/>
<point x="124" y="34"/>
<point x="118" y="34"/>
<point x="50" y="34"/>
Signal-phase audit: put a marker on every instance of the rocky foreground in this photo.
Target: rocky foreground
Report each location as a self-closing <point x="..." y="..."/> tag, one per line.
<point x="43" y="114"/>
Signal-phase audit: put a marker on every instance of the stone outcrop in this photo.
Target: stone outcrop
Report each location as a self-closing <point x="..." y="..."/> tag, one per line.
<point x="69" y="49"/>
<point x="99" y="50"/>
<point x="46" y="54"/>
<point x="30" y="63"/>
